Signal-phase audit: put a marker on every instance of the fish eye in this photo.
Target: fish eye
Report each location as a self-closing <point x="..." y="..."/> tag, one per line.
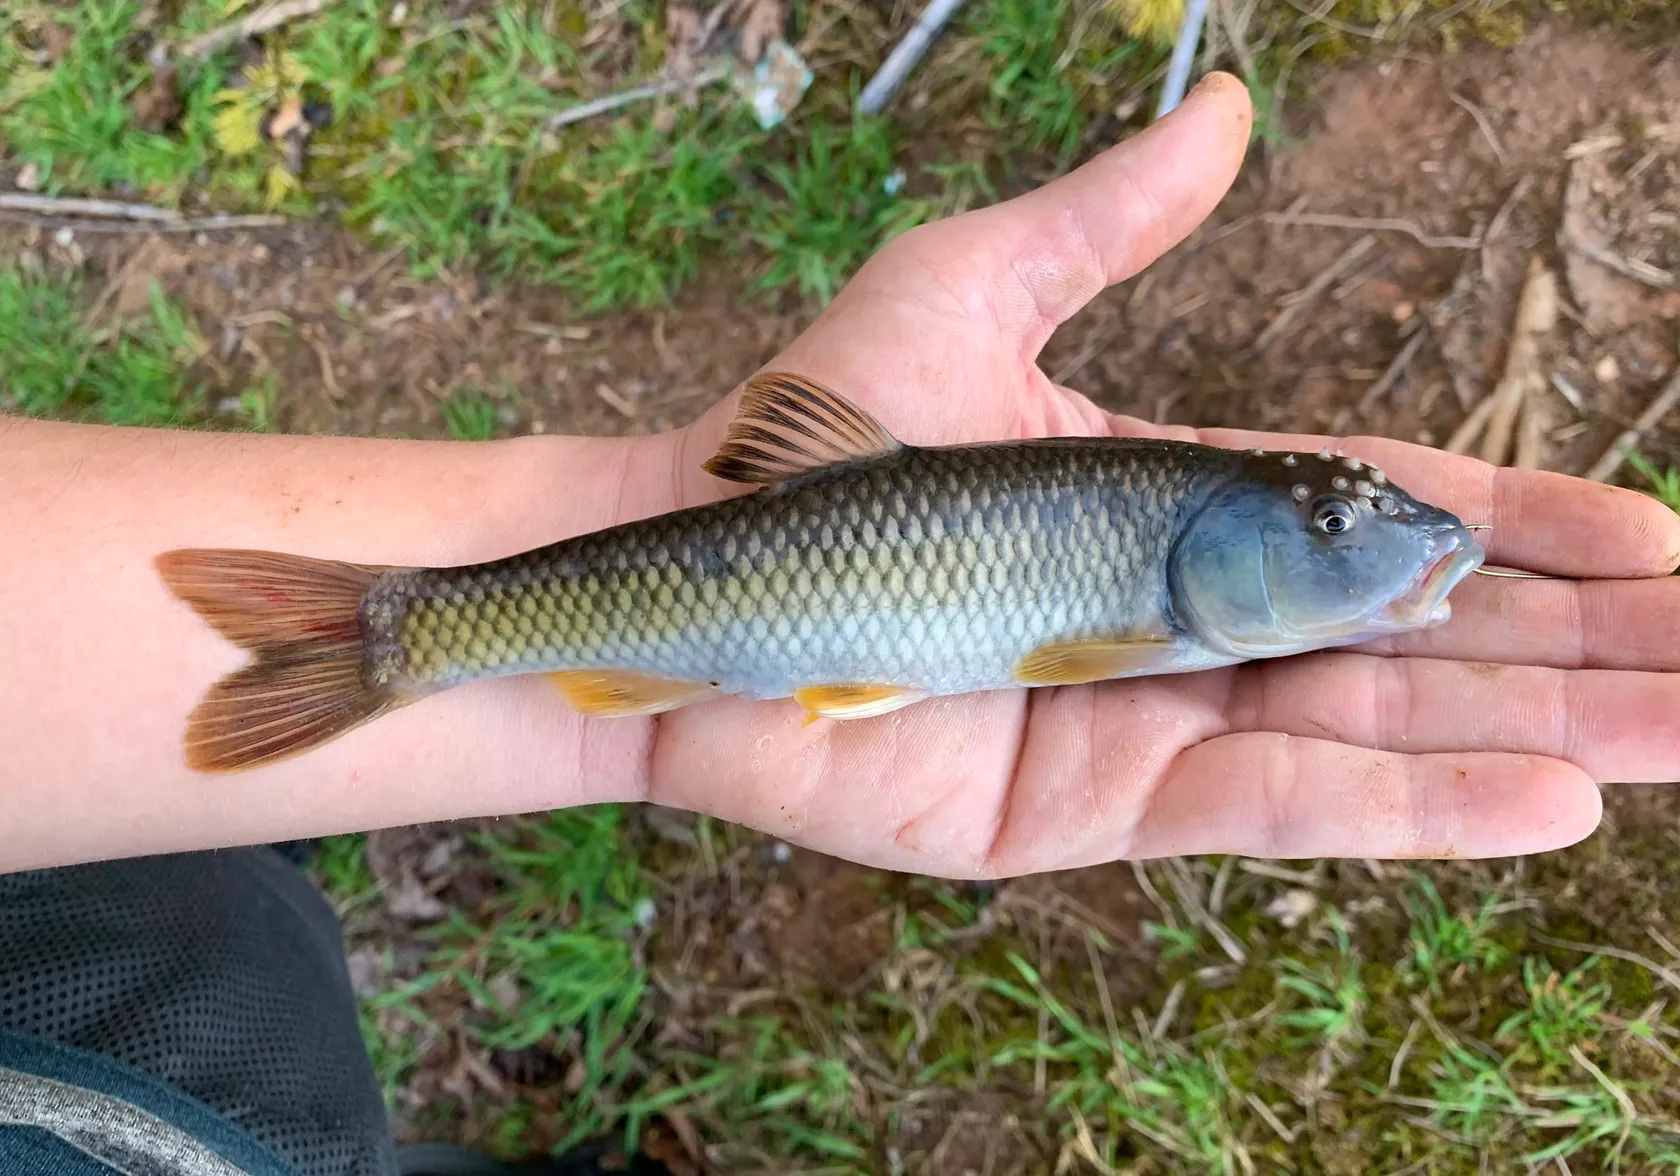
<point x="1334" y="516"/>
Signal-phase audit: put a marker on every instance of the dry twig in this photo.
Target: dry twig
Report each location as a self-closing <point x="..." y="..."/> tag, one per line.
<point x="1313" y="289"/>
<point x="113" y="216"/>
<point x="658" y="89"/>
<point x="1377" y="224"/>
<point x="1392" y="373"/>
<point x="1628" y="267"/>
<point x="1612" y="458"/>
<point x="77" y="206"/>
<point x="1482" y="123"/>
<point x="1667" y="976"/>
<point x="1517" y="388"/>
<point x="269" y="16"/>
<point x="1465" y="435"/>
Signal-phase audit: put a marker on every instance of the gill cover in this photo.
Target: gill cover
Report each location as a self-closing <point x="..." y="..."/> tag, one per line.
<point x="1289" y="558"/>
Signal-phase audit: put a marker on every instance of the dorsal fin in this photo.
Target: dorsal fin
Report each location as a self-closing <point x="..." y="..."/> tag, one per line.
<point x="788" y="425"/>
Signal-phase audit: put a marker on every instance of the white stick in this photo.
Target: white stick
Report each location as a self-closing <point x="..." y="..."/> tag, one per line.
<point x="76" y="206"/>
<point x="596" y="106"/>
<point x="1183" y="55"/>
<point x="905" y="55"/>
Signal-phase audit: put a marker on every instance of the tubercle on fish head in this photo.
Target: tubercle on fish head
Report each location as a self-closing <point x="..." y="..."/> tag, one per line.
<point x="1310" y="476"/>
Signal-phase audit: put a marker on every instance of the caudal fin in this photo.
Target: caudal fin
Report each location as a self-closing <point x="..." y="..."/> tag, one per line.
<point x="301" y="619"/>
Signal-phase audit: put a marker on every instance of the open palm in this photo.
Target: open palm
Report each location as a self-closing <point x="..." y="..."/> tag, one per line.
<point x="1488" y="736"/>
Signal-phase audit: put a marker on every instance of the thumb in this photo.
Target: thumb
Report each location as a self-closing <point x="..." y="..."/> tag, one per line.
<point x="1044" y="255"/>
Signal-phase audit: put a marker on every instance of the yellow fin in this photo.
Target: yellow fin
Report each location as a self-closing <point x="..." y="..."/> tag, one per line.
<point x="619" y="693"/>
<point x="859" y="701"/>
<point x="787" y="425"/>
<point x="1068" y="663"/>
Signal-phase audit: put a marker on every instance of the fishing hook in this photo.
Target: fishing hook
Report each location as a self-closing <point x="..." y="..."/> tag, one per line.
<point x="1505" y="573"/>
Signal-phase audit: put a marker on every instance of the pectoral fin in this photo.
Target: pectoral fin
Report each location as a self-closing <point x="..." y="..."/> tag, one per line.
<point x="1068" y="663"/>
<point x="858" y="701"/>
<point x="619" y="693"/>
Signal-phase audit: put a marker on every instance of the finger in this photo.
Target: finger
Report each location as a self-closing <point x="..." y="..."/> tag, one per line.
<point x="1270" y="795"/>
<point x="1567" y="624"/>
<point x="1615" y="726"/>
<point x="1042" y="256"/>
<point x="1542" y="521"/>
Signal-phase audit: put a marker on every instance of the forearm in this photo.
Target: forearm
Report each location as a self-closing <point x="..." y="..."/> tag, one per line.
<point x="100" y="665"/>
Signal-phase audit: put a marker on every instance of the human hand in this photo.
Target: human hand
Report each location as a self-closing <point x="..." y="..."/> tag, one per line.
<point x="1485" y="737"/>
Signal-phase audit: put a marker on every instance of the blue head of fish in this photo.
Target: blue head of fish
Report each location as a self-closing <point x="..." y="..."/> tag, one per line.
<point x="1305" y="551"/>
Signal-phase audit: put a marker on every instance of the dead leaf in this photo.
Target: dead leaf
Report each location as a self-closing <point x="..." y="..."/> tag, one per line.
<point x="156" y="105"/>
<point x="367" y="970"/>
<point x="780" y="901"/>
<point x="576" y="1075"/>
<point x="686" y="1133"/>
<point x="1290" y="907"/>
<point x="672" y="825"/>
<point x="1608" y="301"/>
<point x="286" y="120"/>
<point x="683" y="27"/>
<point x="412" y="902"/>
<point x="1537" y="313"/>
<point x="56" y="40"/>
<point x="759" y="23"/>
<point x="438" y="857"/>
<point x="482" y="1072"/>
<point x="666" y="1144"/>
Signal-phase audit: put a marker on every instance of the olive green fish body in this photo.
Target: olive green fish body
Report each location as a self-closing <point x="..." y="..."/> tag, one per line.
<point x="935" y="570"/>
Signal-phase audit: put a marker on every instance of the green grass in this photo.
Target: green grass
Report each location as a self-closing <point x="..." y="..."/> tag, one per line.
<point x="548" y="960"/>
<point x="1663" y="483"/>
<point x="834" y="203"/>
<point x="73" y="121"/>
<point x="1446" y="943"/>
<point x="1047" y="70"/>
<point x="470" y="415"/>
<point x="1434" y="1029"/>
<point x="126" y="373"/>
<point x="143" y="369"/>
<point x="439" y="138"/>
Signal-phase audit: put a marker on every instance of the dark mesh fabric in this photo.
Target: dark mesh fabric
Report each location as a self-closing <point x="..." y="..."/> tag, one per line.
<point x="222" y="974"/>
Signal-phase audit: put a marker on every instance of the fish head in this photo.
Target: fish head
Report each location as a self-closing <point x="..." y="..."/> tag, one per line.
<point x="1303" y="551"/>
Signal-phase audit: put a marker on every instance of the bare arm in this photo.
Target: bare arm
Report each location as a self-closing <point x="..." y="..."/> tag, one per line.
<point x="102" y="664"/>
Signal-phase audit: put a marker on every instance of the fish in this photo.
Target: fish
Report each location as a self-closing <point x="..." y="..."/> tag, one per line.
<point x="862" y="574"/>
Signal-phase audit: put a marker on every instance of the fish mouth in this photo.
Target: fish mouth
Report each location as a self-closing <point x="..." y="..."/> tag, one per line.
<point x="1425" y="603"/>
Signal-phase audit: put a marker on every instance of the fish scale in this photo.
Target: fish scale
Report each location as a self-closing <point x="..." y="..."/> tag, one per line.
<point x="935" y="569"/>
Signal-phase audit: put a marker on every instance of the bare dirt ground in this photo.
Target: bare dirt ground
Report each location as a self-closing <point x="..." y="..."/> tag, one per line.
<point x="1333" y="290"/>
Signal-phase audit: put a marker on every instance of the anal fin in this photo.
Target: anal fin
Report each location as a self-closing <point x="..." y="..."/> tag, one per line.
<point x="1070" y="663"/>
<point x="853" y="700"/>
<point x="622" y="693"/>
